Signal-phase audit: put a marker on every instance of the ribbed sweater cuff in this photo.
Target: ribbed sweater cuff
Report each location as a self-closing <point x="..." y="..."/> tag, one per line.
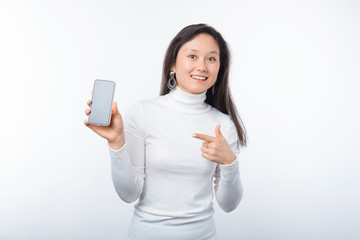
<point x="230" y="172"/>
<point x="119" y="158"/>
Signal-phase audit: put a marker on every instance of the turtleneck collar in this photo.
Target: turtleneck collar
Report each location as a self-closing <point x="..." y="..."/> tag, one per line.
<point x="186" y="102"/>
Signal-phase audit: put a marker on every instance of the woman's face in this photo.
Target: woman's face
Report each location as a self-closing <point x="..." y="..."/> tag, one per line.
<point x="197" y="64"/>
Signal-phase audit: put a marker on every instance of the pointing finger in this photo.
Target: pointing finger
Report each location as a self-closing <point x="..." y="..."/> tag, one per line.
<point x="204" y="137"/>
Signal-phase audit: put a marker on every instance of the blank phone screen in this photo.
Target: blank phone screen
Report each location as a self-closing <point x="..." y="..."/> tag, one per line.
<point x="102" y="98"/>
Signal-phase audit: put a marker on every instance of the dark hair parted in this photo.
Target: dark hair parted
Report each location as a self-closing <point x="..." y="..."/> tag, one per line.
<point x="221" y="99"/>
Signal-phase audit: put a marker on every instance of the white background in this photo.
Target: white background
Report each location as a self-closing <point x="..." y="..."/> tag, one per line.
<point x="295" y="79"/>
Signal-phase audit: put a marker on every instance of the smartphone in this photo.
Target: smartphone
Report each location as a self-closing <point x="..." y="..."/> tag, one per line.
<point x="101" y="102"/>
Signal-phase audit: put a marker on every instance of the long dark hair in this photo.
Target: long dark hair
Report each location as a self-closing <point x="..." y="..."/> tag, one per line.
<point x="221" y="99"/>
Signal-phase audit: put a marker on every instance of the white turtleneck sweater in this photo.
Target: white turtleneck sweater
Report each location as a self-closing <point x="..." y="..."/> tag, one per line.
<point x="161" y="165"/>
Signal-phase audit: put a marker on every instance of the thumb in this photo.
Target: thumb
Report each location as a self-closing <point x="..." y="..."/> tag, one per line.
<point x="114" y="109"/>
<point x="218" y="132"/>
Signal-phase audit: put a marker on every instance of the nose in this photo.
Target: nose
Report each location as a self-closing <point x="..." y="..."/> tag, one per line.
<point x="201" y="66"/>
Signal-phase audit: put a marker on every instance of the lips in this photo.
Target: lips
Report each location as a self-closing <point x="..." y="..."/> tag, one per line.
<point x="198" y="77"/>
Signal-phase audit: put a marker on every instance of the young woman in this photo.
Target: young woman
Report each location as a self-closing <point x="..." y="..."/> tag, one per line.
<point x="170" y="152"/>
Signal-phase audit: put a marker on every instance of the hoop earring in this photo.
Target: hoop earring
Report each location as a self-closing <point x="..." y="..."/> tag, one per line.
<point x="213" y="90"/>
<point x="172" y="81"/>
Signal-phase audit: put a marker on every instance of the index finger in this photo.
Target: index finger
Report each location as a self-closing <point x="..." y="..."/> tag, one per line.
<point x="204" y="137"/>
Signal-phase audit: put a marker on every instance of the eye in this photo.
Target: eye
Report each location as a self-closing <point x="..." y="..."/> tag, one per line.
<point x="212" y="59"/>
<point x="192" y="56"/>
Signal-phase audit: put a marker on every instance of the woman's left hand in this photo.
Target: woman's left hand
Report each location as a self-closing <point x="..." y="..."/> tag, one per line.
<point x="216" y="149"/>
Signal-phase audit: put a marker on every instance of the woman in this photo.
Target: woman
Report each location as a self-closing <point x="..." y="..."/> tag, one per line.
<point x="165" y="152"/>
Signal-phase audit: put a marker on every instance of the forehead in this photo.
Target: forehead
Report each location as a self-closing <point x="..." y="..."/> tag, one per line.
<point x="202" y="43"/>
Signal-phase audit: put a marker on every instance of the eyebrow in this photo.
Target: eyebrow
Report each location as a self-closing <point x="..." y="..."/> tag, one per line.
<point x="189" y="50"/>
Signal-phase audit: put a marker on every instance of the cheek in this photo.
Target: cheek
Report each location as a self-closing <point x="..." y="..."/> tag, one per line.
<point x="182" y="65"/>
<point x="183" y="70"/>
<point x="186" y="66"/>
<point x="215" y="70"/>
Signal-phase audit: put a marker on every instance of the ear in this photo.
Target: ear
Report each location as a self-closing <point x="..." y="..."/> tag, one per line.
<point x="172" y="68"/>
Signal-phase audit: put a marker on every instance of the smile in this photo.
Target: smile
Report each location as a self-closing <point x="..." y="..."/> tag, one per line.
<point x="199" y="77"/>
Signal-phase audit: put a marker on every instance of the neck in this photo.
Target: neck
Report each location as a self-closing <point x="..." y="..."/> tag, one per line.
<point x="186" y="102"/>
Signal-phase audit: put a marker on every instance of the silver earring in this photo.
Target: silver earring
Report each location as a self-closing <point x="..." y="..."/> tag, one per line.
<point x="172" y="81"/>
<point x="213" y="90"/>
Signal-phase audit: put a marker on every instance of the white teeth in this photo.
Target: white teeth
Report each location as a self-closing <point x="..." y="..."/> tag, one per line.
<point x="200" y="78"/>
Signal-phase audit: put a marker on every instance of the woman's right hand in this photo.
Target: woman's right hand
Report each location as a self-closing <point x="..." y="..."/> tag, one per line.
<point x="114" y="133"/>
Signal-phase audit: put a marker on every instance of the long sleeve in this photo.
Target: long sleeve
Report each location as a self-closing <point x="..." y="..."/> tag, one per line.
<point x="227" y="183"/>
<point x="128" y="163"/>
<point x="161" y="166"/>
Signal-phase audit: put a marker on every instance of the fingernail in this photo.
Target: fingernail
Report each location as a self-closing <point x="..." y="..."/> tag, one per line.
<point x="194" y="135"/>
